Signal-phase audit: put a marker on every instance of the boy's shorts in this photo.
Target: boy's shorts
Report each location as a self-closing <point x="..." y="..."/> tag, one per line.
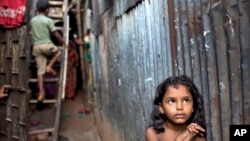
<point x="41" y="52"/>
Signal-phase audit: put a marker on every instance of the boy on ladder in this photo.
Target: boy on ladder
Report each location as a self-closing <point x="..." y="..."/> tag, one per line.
<point x="41" y="27"/>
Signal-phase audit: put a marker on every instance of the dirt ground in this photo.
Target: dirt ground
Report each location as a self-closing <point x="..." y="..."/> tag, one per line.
<point x="77" y="120"/>
<point x="77" y="123"/>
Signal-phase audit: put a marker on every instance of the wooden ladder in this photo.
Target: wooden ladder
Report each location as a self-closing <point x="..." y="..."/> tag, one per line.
<point x="58" y="12"/>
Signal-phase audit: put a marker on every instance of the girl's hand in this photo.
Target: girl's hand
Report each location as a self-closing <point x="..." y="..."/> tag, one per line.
<point x="191" y="133"/>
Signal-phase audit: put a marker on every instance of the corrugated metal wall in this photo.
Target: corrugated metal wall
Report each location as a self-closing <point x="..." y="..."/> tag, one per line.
<point x="139" y="45"/>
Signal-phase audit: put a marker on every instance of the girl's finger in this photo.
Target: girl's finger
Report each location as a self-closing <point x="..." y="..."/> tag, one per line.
<point x="3" y="95"/>
<point x="199" y="128"/>
<point x="195" y="125"/>
<point x="201" y="134"/>
<point x="192" y="131"/>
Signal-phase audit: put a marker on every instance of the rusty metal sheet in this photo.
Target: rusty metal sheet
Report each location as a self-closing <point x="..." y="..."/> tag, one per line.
<point x="245" y="50"/>
<point x="104" y="5"/>
<point x="212" y="81"/>
<point x="151" y="40"/>
<point x="181" y="47"/>
<point x="195" y="39"/>
<point x="231" y="26"/>
<point x="121" y="6"/>
<point x="171" y="15"/>
<point x="223" y="78"/>
<point x="96" y="23"/>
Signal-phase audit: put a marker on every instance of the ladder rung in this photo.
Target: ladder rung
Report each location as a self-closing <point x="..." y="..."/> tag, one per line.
<point x="58" y="16"/>
<point x="57" y="20"/>
<point x="33" y="80"/>
<point x="46" y="101"/>
<point x="52" y="2"/>
<point x="41" y="131"/>
<point x="59" y="28"/>
<point x="34" y="61"/>
<point x="74" y="10"/>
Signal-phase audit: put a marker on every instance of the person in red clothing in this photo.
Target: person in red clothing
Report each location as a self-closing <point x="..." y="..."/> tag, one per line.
<point x="71" y="72"/>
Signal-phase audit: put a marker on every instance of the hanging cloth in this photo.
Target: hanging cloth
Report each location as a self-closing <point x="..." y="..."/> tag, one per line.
<point x="12" y="13"/>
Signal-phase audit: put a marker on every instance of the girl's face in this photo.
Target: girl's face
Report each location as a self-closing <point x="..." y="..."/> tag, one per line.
<point x="177" y="104"/>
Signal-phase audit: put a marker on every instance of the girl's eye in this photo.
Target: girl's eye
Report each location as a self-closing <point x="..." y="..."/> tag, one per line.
<point x="171" y="101"/>
<point x="186" y="100"/>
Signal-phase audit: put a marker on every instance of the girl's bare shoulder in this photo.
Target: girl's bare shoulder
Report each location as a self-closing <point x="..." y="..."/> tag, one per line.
<point x="151" y="135"/>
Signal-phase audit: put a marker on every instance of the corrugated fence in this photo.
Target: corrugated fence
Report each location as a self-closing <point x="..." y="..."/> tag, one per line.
<point x="138" y="44"/>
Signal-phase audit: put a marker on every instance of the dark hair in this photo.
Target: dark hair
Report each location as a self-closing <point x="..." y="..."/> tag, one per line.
<point x="42" y="5"/>
<point x="174" y="81"/>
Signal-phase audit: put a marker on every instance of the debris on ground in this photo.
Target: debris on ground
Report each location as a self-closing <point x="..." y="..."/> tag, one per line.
<point x="83" y="111"/>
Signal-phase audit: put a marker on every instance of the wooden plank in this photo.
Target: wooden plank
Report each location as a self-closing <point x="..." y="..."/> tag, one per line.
<point x="52" y="2"/>
<point x="55" y="16"/>
<point x="34" y="80"/>
<point x="46" y="101"/>
<point x="59" y="28"/>
<point x="57" y="20"/>
<point x="41" y="131"/>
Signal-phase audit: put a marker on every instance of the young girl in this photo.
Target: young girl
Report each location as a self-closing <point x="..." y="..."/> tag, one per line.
<point x="178" y="113"/>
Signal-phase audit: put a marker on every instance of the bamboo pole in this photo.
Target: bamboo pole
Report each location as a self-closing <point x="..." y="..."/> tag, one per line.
<point x="85" y="50"/>
<point x="80" y="36"/>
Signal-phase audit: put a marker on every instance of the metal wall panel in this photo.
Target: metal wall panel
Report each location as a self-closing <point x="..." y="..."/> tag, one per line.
<point x="151" y="40"/>
<point x="104" y="5"/>
<point x="95" y="23"/>
<point x="122" y="6"/>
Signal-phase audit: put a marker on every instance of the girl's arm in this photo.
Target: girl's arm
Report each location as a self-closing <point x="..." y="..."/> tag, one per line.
<point x="151" y="135"/>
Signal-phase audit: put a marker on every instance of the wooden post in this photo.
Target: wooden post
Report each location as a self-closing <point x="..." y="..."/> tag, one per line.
<point x="80" y="36"/>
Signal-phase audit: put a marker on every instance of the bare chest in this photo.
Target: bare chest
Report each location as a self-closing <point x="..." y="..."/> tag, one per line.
<point x="166" y="137"/>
